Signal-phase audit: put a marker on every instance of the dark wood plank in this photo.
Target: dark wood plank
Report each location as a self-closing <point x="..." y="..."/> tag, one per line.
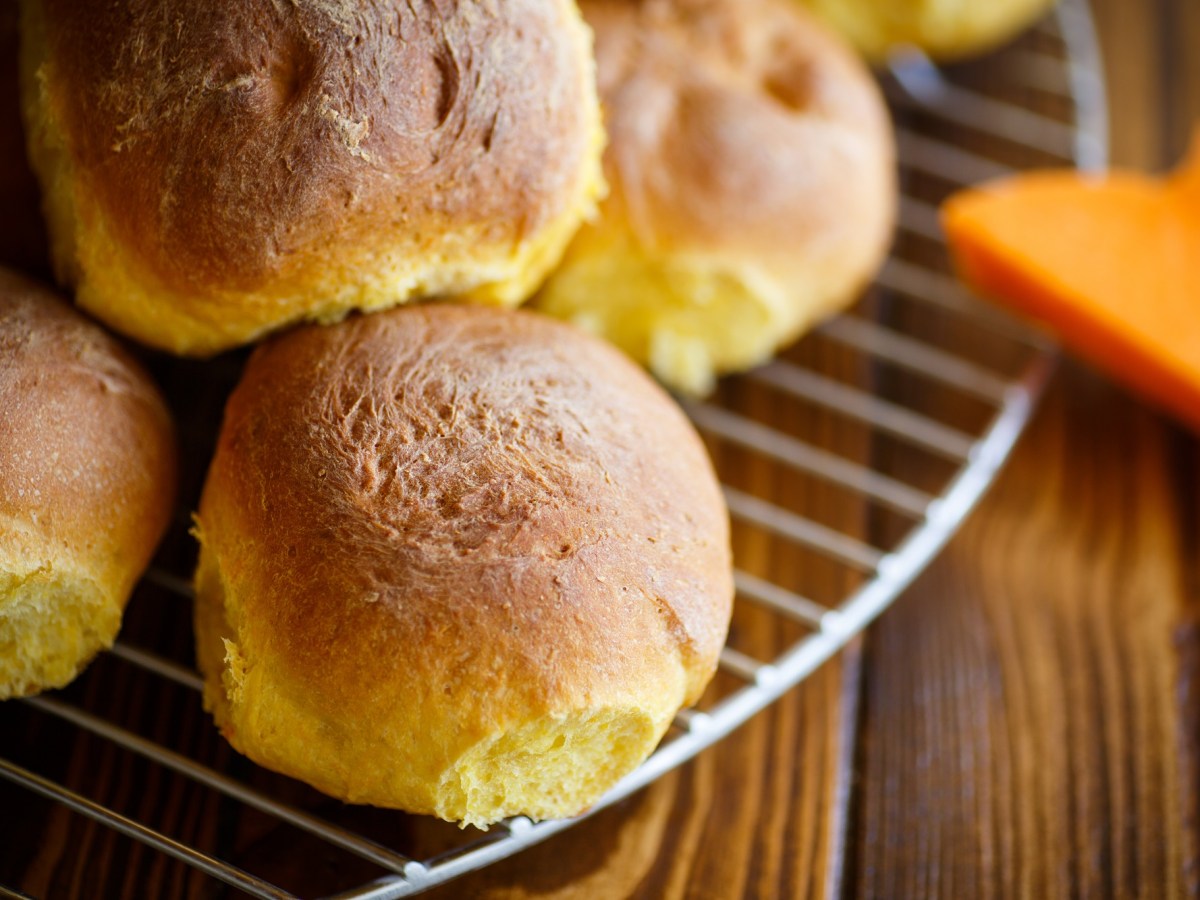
<point x="1022" y="734"/>
<point x="1029" y="724"/>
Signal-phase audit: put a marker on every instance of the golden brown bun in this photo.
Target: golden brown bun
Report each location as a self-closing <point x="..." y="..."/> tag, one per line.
<point x="751" y="168"/>
<point x="216" y="170"/>
<point x="87" y="478"/>
<point x="22" y="234"/>
<point x="458" y="561"/>
<point x="945" y="29"/>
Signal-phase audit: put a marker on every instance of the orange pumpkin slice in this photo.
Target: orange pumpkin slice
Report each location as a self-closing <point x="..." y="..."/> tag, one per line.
<point x="1111" y="263"/>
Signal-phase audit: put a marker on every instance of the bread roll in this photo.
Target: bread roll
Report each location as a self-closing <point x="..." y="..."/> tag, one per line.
<point x="216" y="170"/>
<point x="750" y="161"/>
<point x="22" y="234"/>
<point x="945" y="29"/>
<point x="458" y="561"/>
<point x="87" y="478"/>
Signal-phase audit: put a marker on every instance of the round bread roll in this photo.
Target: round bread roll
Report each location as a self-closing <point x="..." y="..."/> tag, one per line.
<point x="216" y="170"/>
<point x="459" y="561"/>
<point x="87" y="479"/>
<point x="945" y="29"/>
<point x="22" y="234"/>
<point x="751" y="167"/>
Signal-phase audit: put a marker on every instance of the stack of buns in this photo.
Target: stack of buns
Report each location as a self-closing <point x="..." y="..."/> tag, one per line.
<point x="454" y="559"/>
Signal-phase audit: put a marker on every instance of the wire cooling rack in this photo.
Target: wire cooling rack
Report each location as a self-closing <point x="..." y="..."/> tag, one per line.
<point x="847" y="464"/>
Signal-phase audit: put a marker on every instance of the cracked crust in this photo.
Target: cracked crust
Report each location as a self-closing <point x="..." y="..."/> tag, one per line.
<point x="217" y="170"/>
<point x="427" y="531"/>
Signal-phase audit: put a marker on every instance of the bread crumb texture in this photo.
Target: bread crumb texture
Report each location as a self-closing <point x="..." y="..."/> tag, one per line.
<point x="51" y="625"/>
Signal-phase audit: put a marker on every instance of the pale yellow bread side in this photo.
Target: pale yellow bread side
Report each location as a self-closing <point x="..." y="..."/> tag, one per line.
<point x="476" y="773"/>
<point x="945" y="29"/>
<point x="688" y="316"/>
<point x="53" y="618"/>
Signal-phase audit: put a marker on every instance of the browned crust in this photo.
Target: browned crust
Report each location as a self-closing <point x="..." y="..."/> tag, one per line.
<point x="87" y="460"/>
<point x="231" y="144"/>
<point x="743" y="128"/>
<point x="438" y="523"/>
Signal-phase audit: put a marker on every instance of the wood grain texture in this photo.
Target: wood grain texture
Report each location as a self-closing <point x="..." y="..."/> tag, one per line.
<point x="1021" y="732"/>
<point x="1029" y="724"/>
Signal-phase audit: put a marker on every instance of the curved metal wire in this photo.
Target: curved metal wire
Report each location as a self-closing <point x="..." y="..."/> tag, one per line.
<point x="933" y="517"/>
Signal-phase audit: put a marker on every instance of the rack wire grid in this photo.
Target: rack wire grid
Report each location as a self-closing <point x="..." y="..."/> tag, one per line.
<point x="847" y="464"/>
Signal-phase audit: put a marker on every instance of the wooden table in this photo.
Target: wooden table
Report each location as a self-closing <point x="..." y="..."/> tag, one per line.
<point x="1022" y="723"/>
